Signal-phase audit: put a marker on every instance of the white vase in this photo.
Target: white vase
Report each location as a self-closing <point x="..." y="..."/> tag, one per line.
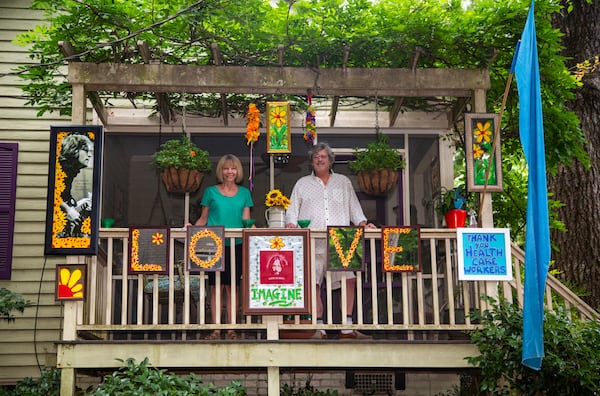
<point x="275" y="216"/>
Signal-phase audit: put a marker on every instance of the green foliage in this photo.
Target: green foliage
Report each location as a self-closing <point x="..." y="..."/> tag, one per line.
<point x="47" y="385"/>
<point x="378" y="155"/>
<point x="306" y="390"/>
<point x="142" y="379"/>
<point x="571" y="365"/>
<point x="451" y="198"/>
<point x="9" y="302"/>
<point x="182" y="153"/>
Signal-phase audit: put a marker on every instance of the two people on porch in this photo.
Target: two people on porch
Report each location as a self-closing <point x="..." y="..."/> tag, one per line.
<point x="327" y="198"/>
<point x="226" y="204"/>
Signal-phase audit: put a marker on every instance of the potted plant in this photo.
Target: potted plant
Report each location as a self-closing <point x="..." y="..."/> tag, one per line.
<point x="377" y="166"/>
<point x="451" y="205"/>
<point x="183" y="164"/>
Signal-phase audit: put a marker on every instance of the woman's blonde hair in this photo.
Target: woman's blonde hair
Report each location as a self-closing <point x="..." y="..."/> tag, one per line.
<point x="235" y="161"/>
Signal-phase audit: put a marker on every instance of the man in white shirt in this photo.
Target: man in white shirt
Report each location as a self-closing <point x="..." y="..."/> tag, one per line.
<point x="327" y="198"/>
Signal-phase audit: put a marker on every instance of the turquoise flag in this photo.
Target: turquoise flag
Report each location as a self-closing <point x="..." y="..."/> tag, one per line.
<point x="537" y="238"/>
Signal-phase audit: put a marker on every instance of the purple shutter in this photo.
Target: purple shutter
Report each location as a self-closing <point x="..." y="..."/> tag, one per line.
<point x="8" y="187"/>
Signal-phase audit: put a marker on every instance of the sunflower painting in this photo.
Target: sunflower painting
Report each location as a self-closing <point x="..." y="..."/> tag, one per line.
<point x="482" y="152"/>
<point x="279" y="127"/>
<point x="71" y="282"/>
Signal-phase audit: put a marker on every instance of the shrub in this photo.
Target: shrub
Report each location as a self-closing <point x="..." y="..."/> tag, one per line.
<point x="9" y="302"/>
<point x="571" y="365"/>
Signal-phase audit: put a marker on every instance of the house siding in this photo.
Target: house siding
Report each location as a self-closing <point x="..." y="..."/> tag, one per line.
<point x="28" y="343"/>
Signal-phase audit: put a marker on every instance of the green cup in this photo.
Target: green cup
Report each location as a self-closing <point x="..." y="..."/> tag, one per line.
<point x="303" y="223"/>
<point x="107" y="222"/>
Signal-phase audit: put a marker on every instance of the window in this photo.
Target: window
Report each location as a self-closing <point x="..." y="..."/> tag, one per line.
<point x="8" y="185"/>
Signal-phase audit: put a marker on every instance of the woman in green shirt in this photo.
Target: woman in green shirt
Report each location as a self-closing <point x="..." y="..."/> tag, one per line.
<point x="226" y="204"/>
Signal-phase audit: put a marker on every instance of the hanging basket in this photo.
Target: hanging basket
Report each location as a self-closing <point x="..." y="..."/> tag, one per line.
<point x="377" y="182"/>
<point x="181" y="180"/>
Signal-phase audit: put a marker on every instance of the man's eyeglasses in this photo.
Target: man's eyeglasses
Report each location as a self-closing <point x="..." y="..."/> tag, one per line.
<point x="320" y="157"/>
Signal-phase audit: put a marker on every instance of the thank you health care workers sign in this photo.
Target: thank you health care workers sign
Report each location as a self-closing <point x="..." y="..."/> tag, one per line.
<point x="484" y="254"/>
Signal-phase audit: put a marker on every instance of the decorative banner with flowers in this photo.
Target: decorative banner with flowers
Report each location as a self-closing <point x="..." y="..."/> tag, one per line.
<point x="252" y="134"/>
<point x="482" y="152"/>
<point x="71" y="282"/>
<point x="205" y="248"/>
<point x="345" y="248"/>
<point x="276" y="272"/>
<point x="310" y="133"/>
<point x="401" y="249"/>
<point x="279" y="126"/>
<point x="72" y="208"/>
<point x="149" y="250"/>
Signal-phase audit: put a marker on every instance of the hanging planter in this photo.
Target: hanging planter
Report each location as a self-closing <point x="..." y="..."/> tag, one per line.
<point x="377" y="167"/>
<point x="181" y="180"/>
<point x="183" y="165"/>
<point x="377" y="182"/>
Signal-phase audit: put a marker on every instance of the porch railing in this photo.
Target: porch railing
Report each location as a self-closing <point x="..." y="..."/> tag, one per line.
<point x="427" y="304"/>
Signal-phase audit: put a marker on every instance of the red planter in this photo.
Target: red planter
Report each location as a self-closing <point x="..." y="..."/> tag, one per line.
<point x="456" y="218"/>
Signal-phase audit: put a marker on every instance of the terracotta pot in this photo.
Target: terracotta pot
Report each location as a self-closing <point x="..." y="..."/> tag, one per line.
<point x="456" y="218"/>
<point x="378" y="182"/>
<point x="181" y="180"/>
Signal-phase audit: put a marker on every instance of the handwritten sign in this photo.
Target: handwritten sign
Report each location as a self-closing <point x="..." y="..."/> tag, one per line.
<point x="484" y="254"/>
<point x="276" y="271"/>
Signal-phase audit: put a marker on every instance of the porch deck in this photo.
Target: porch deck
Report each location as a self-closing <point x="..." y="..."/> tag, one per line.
<point x="417" y="320"/>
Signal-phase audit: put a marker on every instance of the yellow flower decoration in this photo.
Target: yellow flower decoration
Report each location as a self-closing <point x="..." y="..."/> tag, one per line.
<point x="158" y="238"/>
<point x="278" y="116"/>
<point x="276" y="198"/>
<point x="192" y="248"/>
<point x="345" y="259"/>
<point x="252" y="128"/>
<point x="69" y="284"/>
<point x="477" y="151"/>
<point x="276" y="243"/>
<point x="483" y="132"/>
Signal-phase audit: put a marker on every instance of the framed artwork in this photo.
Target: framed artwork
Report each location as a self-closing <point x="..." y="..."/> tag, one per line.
<point x="205" y="249"/>
<point x="73" y="203"/>
<point x="71" y="282"/>
<point x="401" y="249"/>
<point x="345" y="248"/>
<point x="484" y="254"/>
<point x="483" y="159"/>
<point x="276" y="271"/>
<point x="279" y="127"/>
<point x="149" y="250"/>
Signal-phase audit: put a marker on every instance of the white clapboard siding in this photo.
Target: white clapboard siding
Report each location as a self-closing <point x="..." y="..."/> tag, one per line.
<point x="19" y="354"/>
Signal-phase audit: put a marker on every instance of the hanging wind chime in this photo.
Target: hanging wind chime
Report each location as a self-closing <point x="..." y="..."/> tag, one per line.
<point x="310" y="130"/>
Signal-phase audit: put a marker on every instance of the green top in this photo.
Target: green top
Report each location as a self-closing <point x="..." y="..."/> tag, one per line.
<point x="226" y="211"/>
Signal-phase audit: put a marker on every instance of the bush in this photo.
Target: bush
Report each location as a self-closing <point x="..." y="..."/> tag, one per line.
<point x="11" y="301"/>
<point x="142" y="379"/>
<point x="571" y="365"/>
<point x="47" y="385"/>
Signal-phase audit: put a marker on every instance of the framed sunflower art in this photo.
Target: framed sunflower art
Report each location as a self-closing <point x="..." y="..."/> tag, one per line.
<point x="71" y="282"/>
<point x="482" y="151"/>
<point x="276" y="272"/>
<point x="279" y="127"/>
<point x="205" y="248"/>
<point x="346" y="247"/>
<point x="401" y="248"/>
<point x="149" y="250"/>
<point x="72" y="207"/>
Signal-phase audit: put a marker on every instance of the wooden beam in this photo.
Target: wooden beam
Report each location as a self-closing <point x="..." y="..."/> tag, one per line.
<point x="278" y="80"/>
<point x="216" y="52"/>
<point x="397" y="106"/>
<point x="162" y="99"/>
<point x="69" y="52"/>
<point x="336" y="99"/>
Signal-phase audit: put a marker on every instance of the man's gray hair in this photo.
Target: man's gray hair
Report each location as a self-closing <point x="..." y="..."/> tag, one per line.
<point x="322" y="146"/>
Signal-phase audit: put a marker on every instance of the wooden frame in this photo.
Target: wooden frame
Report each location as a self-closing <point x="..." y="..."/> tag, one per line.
<point x="205" y="249"/>
<point x="480" y="130"/>
<point x="345" y="248"/>
<point x="276" y="271"/>
<point x="72" y="208"/>
<point x="484" y="254"/>
<point x="279" y="127"/>
<point x="149" y="250"/>
<point x="401" y="249"/>
<point x="70" y="282"/>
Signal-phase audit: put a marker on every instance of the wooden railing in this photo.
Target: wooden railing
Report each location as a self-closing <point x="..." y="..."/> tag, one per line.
<point x="422" y="304"/>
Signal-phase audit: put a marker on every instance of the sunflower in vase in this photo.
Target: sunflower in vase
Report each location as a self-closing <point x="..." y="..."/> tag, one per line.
<point x="276" y="198"/>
